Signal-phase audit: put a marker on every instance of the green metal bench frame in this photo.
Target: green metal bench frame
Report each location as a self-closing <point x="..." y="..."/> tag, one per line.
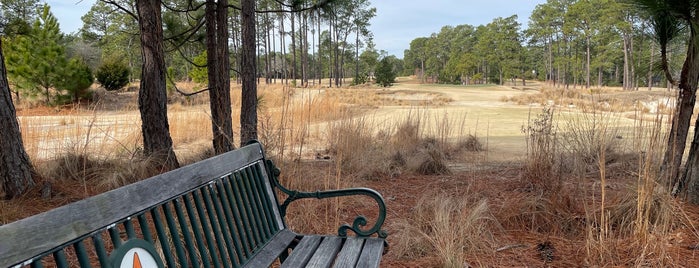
<point x="219" y="212"/>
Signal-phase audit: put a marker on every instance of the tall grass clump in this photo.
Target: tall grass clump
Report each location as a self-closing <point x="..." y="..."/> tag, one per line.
<point x="369" y="150"/>
<point x="541" y="137"/>
<point x="428" y="158"/>
<point x="453" y="228"/>
<point x="353" y="145"/>
<point x="589" y="136"/>
<point x="628" y="215"/>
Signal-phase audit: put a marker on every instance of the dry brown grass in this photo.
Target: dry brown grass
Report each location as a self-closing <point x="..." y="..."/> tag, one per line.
<point x="451" y="227"/>
<point x="601" y="100"/>
<point x="374" y="97"/>
<point x="583" y="195"/>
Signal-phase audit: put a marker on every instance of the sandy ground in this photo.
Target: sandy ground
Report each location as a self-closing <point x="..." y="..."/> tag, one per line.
<point x="474" y="110"/>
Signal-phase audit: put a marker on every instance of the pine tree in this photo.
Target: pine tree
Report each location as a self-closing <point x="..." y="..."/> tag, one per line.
<point x="77" y="80"/>
<point x="38" y="59"/>
<point x="385" y="76"/>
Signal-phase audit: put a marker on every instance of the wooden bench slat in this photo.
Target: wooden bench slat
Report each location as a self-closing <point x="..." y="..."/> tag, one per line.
<point x="302" y="252"/>
<point x="349" y="254"/>
<point x="371" y="253"/>
<point x="326" y="252"/>
<point x="274" y="248"/>
<point x="274" y="203"/>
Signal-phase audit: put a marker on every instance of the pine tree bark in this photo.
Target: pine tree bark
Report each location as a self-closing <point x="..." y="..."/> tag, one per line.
<point x="626" y="38"/>
<point x="319" y="68"/>
<point x="225" y="115"/>
<point x="650" y="66"/>
<point x="152" y="96"/>
<point x="293" y="49"/>
<point x="248" y="110"/>
<point x="680" y="126"/>
<point x="16" y="170"/>
<point x="587" y="67"/>
<point x="218" y="62"/>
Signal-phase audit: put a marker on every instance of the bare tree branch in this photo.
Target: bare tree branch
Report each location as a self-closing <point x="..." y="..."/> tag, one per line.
<point x="119" y="6"/>
<point x="182" y="92"/>
<point x="189" y="9"/>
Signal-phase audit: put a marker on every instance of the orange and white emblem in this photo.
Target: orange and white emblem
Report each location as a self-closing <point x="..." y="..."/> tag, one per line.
<point x="138" y="258"/>
<point x="136" y="253"/>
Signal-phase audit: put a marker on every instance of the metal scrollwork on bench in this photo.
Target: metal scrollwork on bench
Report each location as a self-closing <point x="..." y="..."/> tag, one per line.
<point x="358" y="223"/>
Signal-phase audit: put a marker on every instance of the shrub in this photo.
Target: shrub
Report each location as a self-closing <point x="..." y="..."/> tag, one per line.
<point x="385" y="76"/>
<point x="471" y="144"/>
<point x="200" y="74"/>
<point x="360" y="79"/>
<point x="76" y="80"/>
<point x="113" y="75"/>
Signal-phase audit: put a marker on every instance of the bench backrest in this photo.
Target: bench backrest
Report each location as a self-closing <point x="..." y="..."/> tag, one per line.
<point x="220" y="210"/>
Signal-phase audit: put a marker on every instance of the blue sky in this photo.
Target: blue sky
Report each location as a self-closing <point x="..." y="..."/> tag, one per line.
<point x="399" y="21"/>
<point x="396" y="24"/>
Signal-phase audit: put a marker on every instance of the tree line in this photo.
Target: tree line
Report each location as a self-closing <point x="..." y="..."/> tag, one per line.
<point x="568" y="44"/>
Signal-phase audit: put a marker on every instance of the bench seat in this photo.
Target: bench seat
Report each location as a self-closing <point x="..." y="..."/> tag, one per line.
<point x="320" y="251"/>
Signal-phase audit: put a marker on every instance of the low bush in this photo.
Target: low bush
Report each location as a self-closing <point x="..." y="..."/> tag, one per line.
<point x="113" y="75"/>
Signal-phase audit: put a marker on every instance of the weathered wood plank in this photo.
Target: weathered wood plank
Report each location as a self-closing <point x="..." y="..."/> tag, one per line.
<point x="271" y="251"/>
<point x="326" y="252"/>
<point x="270" y="192"/>
<point x="38" y="234"/>
<point x="302" y="252"/>
<point x="371" y="253"/>
<point x="349" y="254"/>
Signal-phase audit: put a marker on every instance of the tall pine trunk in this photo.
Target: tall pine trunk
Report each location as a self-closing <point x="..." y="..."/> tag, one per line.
<point x="16" y="170"/>
<point x="587" y="67"/>
<point x="680" y="126"/>
<point x="282" y="42"/>
<point x="248" y="109"/>
<point x="219" y="79"/>
<point x="650" y="66"/>
<point x="293" y="49"/>
<point x="338" y="74"/>
<point x="319" y="67"/>
<point x="152" y="96"/>
<point x="268" y="52"/>
<point x="356" y="54"/>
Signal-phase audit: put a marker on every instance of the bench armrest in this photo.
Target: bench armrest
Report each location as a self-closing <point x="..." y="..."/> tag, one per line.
<point x="358" y="223"/>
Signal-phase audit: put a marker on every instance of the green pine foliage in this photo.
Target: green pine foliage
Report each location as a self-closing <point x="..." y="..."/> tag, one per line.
<point x="77" y="80"/>
<point x="385" y="76"/>
<point x="37" y="61"/>
<point x="360" y="79"/>
<point x="200" y="74"/>
<point x="113" y="75"/>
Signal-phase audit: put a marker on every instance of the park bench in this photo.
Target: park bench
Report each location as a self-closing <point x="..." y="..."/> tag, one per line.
<point x="220" y="212"/>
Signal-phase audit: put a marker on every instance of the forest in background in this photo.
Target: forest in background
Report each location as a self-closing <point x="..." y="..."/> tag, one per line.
<point x="567" y="43"/>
